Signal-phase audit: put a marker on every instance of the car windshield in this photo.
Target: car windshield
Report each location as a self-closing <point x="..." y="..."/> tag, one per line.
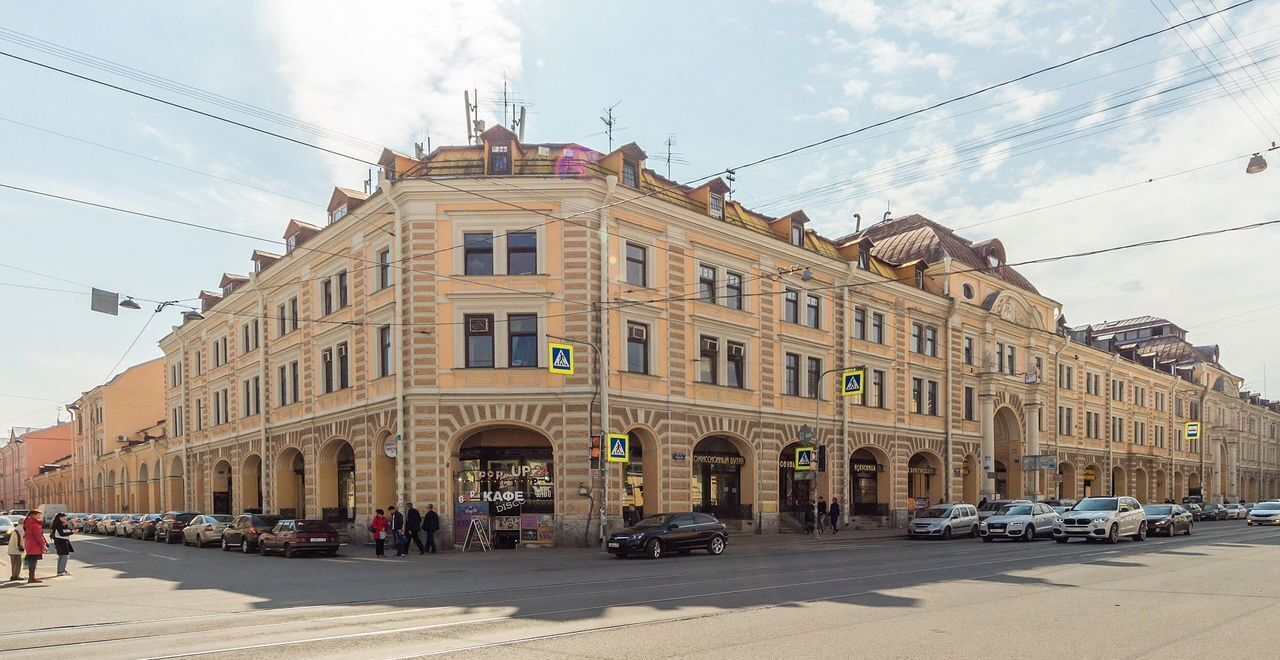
<point x="1233" y="506"/>
<point x="1015" y="510"/>
<point x="314" y="526"/>
<point x="1159" y="510"/>
<point x="1100" y="504"/>
<point x="265" y="521"/>
<point x="992" y="506"/>
<point x="935" y="512"/>
<point x="1212" y="506"/>
<point x="220" y="518"/>
<point x="1267" y="506"/>
<point x="651" y="521"/>
<point x="185" y="517"/>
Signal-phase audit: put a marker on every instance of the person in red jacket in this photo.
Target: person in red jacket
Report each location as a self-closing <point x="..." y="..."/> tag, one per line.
<point x="379" y="528"/>
<point x="34" y="542"/>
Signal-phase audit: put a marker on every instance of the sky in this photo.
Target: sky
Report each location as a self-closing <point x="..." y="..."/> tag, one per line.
<point x="1146" y="141"/>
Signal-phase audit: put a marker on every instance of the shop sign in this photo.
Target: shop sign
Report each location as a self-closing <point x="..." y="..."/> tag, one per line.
<point x="1088" y="475"/>
<point x="678" y="457"/>
<point x="866" y="467"/>
<point x="922" y="470"/>
<point x="719" y="460"/>
<point x="391" y="446"/>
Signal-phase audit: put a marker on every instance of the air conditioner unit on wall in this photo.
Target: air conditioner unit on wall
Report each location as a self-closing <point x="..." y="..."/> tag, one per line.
<point x="121" y="438"/>
<point x="478" y="324"/>
<point x="639" y="332"/>
<point x="711" y="344"/>
<point x="737" y="350"/>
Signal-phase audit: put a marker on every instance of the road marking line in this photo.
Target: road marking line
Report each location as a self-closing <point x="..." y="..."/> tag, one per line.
<point x="107" y="545"/>
<point x="164" y="557"/>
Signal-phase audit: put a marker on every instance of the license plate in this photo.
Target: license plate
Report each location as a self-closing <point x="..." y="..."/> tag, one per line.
<point x="614" y="544"/>
<point x="321" y="540"/>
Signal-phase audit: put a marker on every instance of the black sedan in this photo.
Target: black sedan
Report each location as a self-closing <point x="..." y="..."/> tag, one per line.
<point x="242" y="533"/>
<point x="670" y="532"/>
<point x="1168" y="519"/>
<point x="1197" y="513"/>
<point x="1214" y="512"/>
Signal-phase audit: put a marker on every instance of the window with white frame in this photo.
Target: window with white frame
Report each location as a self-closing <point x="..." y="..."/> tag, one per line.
<point x="384" y="268"/>
<point x="221" y="414"/>
<point x="386" y="359"/>
<point x="251" y="396"/>
<point x="637" y="348"/>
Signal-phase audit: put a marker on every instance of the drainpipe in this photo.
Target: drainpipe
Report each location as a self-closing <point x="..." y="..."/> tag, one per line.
<point x="186" y="430"/>
<point x="264" y="394"/>
<point x="1111" y="468"/>
<point x="954" y="306"/>
<point x="611" y="183"/>
<point x="396" y="248"/>
<point x="1057" y="369"/>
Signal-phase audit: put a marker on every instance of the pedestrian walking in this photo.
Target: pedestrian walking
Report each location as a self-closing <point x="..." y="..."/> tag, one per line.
<point x="983" y="502"/>
<point x="413" y="526"/>
<point x="430" y="525"/>
<point x="834" y="512"/>
<point x="397" y="532"/>
<point x="809" y="519"/>
<point x="15" y="553"/>
<point x="378" y="527"/>
<point x="34" y="543"/>
<point x="821" y="519"/>
<point x="62" y="542"/>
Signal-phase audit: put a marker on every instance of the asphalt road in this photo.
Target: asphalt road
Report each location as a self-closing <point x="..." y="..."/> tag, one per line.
<point x="1204" y="596"/>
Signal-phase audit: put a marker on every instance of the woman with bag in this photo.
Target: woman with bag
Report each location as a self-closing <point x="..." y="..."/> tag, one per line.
<point x="15" y="553"/>
<point x="379" y="527"/>
<point x="34" y="543"/>
<point x="62" y="542"/>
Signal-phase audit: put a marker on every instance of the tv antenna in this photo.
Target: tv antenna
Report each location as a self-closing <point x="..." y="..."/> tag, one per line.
<point x="514" y="109"/>
<point x="475" y="126"/>
<point x="672" y="156"/>
<point x="610" y="120"/>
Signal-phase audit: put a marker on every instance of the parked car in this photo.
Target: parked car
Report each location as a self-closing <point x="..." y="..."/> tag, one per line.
<point x="169" y="529"/>
<point x="1196" y="511"/>
<point x="243" y="531"/>
<point x="1215" y="512"/>
<point x="126" y="524"/>
<point x="1103" y="518"/>
<point x="89" y="524"/>
<point x="1169" y="519"/>
<point x="1236" y="511"/>
<point x="664" y="533"/>
<point x="76" y="521"/>
<point x="145" y="528"/>
<point x="1264" y="513"/>
<point x="292" y="537"/>
<point x="6" y="529"/>
<point x="108" y="523"/>
<point x="1066" y="503"/>
<point x="205" y="529"/>
<point x="1023" y="522"/>
<point x="990" y="508"/>
<point x="944" y="521"/>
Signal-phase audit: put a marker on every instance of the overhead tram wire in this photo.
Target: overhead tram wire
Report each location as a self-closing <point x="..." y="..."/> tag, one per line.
<point x="1232" y="51"/>
<point x="1236" y="36"/>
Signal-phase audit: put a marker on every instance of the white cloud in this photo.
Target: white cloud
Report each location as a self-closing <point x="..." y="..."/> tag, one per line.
<point x="861" y="15"/>
<point x="836" y="114"/>
<point x="855" y="89"/>
<point x="390" y="74"/>
<point x="1021" y="104"/>
<point x="888" y="58"/>
<point x="894" y="102"/>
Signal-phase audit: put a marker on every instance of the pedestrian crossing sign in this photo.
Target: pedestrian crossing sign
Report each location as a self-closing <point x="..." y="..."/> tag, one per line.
<point x="804" y="459"/>
<point x="852" y="383"/>
<point x="561" y="361"/>
<point x="619" y="448"/>
<point x="1193" y="430"/>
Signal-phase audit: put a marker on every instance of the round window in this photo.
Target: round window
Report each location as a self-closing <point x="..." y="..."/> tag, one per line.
<point x="968" y="291"/>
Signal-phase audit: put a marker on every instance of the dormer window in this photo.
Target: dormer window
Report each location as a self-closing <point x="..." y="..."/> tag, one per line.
<point x="499" y="159"/>
<point x="226" y="290"/>
<point x="717" y="206"/>
<point x="920" y="279"/>
<point x="864" y="260"/>
<point x="338" y="214"/>
<point x="630" y="174"/>
<point x="291" y="243"/>
<point x="257" y="265"/>
<point x="797" y="234"/>
<point x="993" y="260"/>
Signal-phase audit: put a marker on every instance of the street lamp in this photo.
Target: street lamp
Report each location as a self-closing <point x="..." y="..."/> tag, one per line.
<point x="192" y="315"/>
<point x="128" y="302"/>
<point x="1256" y="164"/>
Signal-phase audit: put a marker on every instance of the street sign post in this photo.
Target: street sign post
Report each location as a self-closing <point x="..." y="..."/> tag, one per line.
<point x="804" y="459"/>
<point x="619" y="448"/>
<point x="851" y="383"/>
<point x="1043" y="462"/>
<point x="561" y="361"/>
<point x="1193" y="430"/>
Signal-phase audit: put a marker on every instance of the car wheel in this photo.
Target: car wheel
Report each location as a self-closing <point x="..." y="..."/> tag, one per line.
<point x="620" y="555"/>
<point x="653" y="549"/>
<point x="946" y="533"/>
<point x="262" y="549"/>
<point x="1029" y="533"/>
<point x="225" y="547"/>
<point x="973" y="532"/>
<point x="1189" y="526"/>
<point x="1113" y="536"/>
<point x="244" y="545"/>
<point x="716" y="546"/>
<point x="1061" y="539"/>
<point x="1142" y="532"/>
<point x="331" y="553"/>
<point x="288" y="552"/>
<point x="988" y="538"/>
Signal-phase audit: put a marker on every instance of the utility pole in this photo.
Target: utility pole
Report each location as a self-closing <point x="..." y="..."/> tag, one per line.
<point x="610" y="121"/>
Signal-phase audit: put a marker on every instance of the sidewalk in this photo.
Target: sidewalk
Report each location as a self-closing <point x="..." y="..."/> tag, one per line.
<point x="793" y="539"/>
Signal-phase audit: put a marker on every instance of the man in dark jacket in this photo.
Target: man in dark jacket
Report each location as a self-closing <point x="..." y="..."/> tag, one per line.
<point x="397" y="532"/>
<point x="430" y="525"/>
<point x="413" y="527"/>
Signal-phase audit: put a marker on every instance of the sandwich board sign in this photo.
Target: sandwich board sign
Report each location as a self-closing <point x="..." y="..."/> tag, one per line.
<point x="561" y="361"/>
<point x="619" y="448"/>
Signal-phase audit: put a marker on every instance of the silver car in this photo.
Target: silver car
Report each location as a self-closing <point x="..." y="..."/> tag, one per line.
<point x="944" y="521"/>
<point x="1023" y="522"/>
<point x="1236" y="511"/>
<point x="1264" y="513"/>
<point x="988" y="509"/>
<point x="205" y="529"/>
<point x="1103" y="518"/>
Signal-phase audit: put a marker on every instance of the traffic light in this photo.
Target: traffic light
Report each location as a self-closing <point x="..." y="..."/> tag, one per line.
<point x="822" y="458"/>
<point x="595" y="452"/>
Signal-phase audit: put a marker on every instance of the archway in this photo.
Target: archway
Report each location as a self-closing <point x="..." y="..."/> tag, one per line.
<point x="505" y="482"/>
<point x="113" y="502"/>
<point x="336" y="482"/>
<point x="1119" y="481"/>
<point x="1140" y="485"/>
<point x="144" y="488"/>
<point x="797" y="489"/>
<point x="1251" y="488"/>
<point x="925" y="479"/>
<point x="871" y="488"/>
<point x="972" y="476"/>
<point x="1090" y="481"/>
<point x="642" y="485"/>
<point x="1008" y="447"/>
<point x="222" y="484"/>
<point x="1162" y="486"/>
<point x="1178" y="491"/>
<point x="291" y="484"/>
<point x="1067" y="481"/>
<point x="157" y="488"/>
<point x="384" y="472"/>
<point x="126" y="493"/>
<point x="1194" y="487"/>
<point x="723" y="478"/>
<point x="251" y="484"/>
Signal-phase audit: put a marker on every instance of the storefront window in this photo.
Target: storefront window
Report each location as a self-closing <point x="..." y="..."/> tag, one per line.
<point x="510" y="492"/>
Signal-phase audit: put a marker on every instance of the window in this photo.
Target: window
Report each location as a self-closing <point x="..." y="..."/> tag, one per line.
<point x="199" y="414"/>
<point x="522" y="340"/>
<point x="522" y="253"/>
<point x="931" y="397"/>
<point x="797" y="234"/>
<point x="931" y="341"/>
<point x="1117" y="390"/>
<point x="917" y="338"/>
<point x="176" y="416"/>
<point x="252" y="402"/>
<point x="479" y="349"/>
<point x="877" y="389"/>
<point x="326" y="297"/>
<point x="920" y="280"/>
<point x="384" y="268"/>
<point x="290" y="243"/>
<point x="338" y="214"/>
<point x="630" y="174"/>
<point x="1039" y="368"/>
<point x="917" y="395"/>
<point x="707" y="283"/>
<point x="792" y="376"/>
<point x="1160" y="437"/>
<point x="1140" y="433"/>
<point x="637" y="265"/>
<point x="220" y="412"/>
<point x="968" y="350"/>
<point x="384" y="352"/>
<point x="815" y="374"/>
<point x="709" y="361"/>
<point x="999" y="357"/>
<point x="1012" y="362"/>
<point x="814" y="313"/>
<point x="293" y="313"/>
<point x="1117" y="429"/>
<point x="968" y="404"/>
<point x="859" y="323"/>
<point x="717" y="206"/>
<point x="344" y="367"/>
<point x="175" y="374"/>
<point x="249" y="336"/>
<point x="864" y="260"/>
<point x="637" y="348"/>
<point x="1066" y="378"/>
<point x="281" y="320"/>
<point x="343" y="299"/>
<point x="295" y="381"/>
<point x="219" y="351"/>
<point x="199" y="366"/>
<point x="282" y="380"/>
<point x="326" y="365"/>
<point x="1140" y="396"/>
<point x="478" y="253"/>
<point x="1089" y="383"/>
<point x="500" y="159"/>
<point x="736" y="364"/>
<point x="1066" y="420"/>
<point x="791" y="306"/>
<point x="877" y="328"/>
<point x="733" y="290"/>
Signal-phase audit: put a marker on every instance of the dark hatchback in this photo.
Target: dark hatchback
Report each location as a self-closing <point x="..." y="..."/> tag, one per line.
<point x="1214" y="512"/>
<point x="146" y="528"/>
<point x="1168" y="519"/>
<point x="670" y="532"/>
<point x="169" y="528"/>
<point x="243" y="532"/>
<point x="292" y="537"/>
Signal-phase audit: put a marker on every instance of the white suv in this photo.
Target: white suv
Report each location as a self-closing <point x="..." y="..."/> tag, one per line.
<point x="1103" y="518"/>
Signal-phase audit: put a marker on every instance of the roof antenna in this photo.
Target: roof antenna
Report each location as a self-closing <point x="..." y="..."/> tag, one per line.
<point x="466" y="116"/>
<point x="857" y="222"/>
<point x="888" y="215"/>
<point x="609" y="122"/>
<point x="368" y="184"/>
